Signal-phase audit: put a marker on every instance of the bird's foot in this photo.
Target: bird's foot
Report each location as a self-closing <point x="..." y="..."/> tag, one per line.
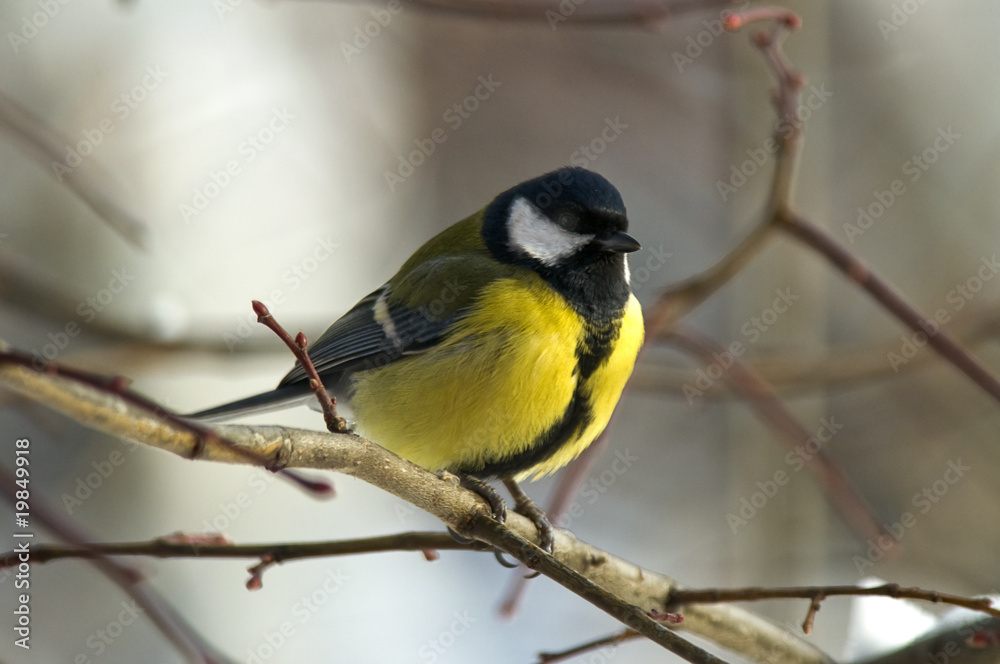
<point x="526" y="507"/>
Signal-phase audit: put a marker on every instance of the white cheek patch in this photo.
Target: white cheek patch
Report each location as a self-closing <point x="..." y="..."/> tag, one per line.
<point x="534" y="234"/>
<point x="628" y="273"/>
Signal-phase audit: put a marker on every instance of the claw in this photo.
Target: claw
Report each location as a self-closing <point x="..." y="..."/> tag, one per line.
<point x="526" y="507"/>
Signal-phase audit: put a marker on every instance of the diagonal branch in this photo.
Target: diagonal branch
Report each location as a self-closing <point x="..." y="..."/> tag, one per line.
<point x="760" y="396"/>
<point x="855" y="270"/>
<point x="96" y="188"/>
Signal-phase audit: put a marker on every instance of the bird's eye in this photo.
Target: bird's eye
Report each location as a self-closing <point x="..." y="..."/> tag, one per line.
<point x="567" y="220"/>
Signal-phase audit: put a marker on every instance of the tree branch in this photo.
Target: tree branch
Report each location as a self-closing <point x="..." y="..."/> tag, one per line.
<point x="681" y="597"/>
<point x="615" y="585"/>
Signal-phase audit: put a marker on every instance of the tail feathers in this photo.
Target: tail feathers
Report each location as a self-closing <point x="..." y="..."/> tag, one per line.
<point x="278" y="399"/>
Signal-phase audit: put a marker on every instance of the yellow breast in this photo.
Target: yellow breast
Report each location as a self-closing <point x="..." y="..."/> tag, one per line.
<point x="501" y="379"/>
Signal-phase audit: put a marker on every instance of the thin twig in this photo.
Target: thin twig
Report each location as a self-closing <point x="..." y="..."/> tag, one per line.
<point x="193" y="646"/>
<point x="768" y="405"/>
<point x="557" y="13"/>
<point x="679" y="300"/>
<point x="613" y="640"/>
<point x="855" y="270"/>
<point x="186" y="546"/>
<point x="298" y="346"/>
<point x="119" y="385"/>
<point x="680" y="598"/>
<point x="807" y="623"/>
<point x="791" y="372"/>
<point x="94" y="187"/>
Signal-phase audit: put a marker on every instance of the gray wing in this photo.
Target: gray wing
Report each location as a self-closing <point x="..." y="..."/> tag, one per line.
<point x="372" y="334"/>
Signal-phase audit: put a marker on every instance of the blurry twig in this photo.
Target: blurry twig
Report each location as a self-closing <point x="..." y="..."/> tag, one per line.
<point x="96" y="188"/>
<point x="170" y="624"/>
<point x="180" y="545"/>
<point x="678" y="300"/>
<point x="855" y="270"/>
<point x="790" y="371"/>
<point x="119" y="386"/>
<point x="559" y="12"/>
<point x="603" y="642"/>
<point x="681" y="598"/>
<point x="769" y="407"/>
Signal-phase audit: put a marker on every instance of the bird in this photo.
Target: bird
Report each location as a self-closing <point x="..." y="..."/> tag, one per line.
<point x="500" y="348"/>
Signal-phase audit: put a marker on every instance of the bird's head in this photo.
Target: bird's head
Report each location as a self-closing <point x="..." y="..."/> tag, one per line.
<point x="570" y="227"/>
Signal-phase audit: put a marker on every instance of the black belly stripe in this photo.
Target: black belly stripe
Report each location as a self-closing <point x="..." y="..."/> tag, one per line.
<point x="595" y="348"/>
<point x="575" y="418"/>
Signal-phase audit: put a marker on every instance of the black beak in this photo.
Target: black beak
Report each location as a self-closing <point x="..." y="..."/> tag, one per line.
<point x="619" y="243"/>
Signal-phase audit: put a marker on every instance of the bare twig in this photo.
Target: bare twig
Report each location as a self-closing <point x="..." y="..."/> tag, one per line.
<point x="762" y="398"/>
<point x="606" y="641"/>
<point x="557" y="13"/>
<point x="855" y="270"/>
<point x="807" y="623"/>
<point x="789" y="371"/>
<point x="679" y="300"/>
<point x="298" y="346"/>
<point x="96" y="189"/>
<point x="119" y="385"/>
<point x="176" y="630"/>
<point x="186" y="546"/>
<point x="681" y="598"/>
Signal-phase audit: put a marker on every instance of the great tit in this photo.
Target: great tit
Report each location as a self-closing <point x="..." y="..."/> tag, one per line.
<point x="501" y="347"/>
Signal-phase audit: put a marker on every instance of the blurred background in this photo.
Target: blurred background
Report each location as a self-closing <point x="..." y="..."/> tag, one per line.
<point x="280" y="151"/>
